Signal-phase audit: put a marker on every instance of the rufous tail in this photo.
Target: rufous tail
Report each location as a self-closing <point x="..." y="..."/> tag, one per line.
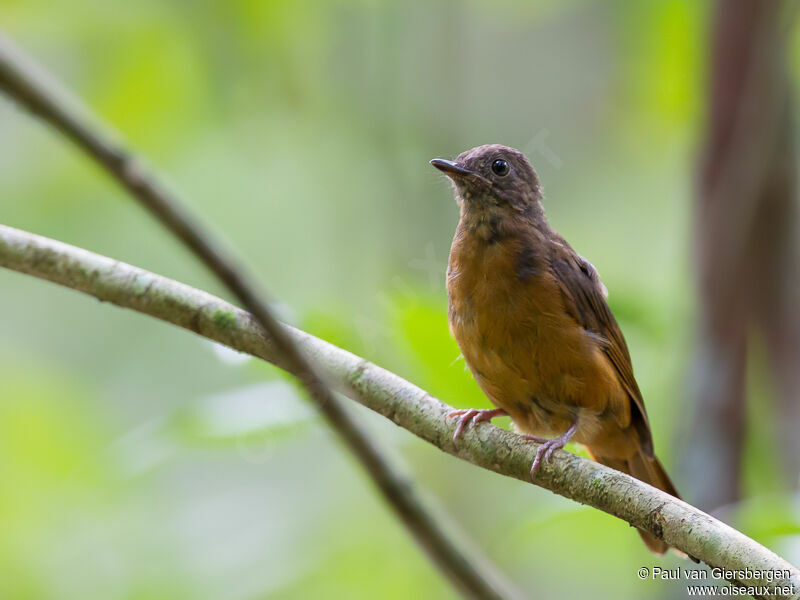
<point x="647" y="469"/>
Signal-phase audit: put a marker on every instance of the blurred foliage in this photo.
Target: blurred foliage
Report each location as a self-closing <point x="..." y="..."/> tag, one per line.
<point x="140" y="462"/>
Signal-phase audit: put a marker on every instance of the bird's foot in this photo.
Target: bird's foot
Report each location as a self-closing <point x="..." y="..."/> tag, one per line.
<point x="472" y="415"/>
<point x="548" y="446"/>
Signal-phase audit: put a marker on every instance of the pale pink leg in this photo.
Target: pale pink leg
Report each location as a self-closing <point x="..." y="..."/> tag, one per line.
<point x="549" y="445"/>
<point x="473" y="415"/>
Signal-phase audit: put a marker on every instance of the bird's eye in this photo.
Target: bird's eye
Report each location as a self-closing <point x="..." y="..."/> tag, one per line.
<point x="500" y="167"/>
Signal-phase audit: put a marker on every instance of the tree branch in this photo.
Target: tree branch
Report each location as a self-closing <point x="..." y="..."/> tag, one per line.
<point x="22" y="81"/>
<point x="676" y="522"/>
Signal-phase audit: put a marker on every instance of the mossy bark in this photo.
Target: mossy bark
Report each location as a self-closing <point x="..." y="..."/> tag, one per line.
<point x="676" y="522"/>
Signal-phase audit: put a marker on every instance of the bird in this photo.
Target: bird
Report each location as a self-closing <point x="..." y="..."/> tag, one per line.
<point x="531" y="318"/>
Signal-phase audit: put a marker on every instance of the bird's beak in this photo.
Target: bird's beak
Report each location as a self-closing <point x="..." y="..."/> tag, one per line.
<point x="450" y="168"/>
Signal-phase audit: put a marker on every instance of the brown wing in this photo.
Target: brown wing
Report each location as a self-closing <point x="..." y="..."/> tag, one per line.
<point x="584" y="298"/>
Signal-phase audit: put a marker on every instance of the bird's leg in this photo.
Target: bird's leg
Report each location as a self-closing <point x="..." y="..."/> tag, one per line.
<point x="549" y="445"/>
<point x="470" y="415"/>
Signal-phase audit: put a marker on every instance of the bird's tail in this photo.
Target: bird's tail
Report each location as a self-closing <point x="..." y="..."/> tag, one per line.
<point x="647" y="469"/>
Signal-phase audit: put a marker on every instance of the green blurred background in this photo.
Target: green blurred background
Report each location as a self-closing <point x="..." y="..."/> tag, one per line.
<point x="141" y="462"/>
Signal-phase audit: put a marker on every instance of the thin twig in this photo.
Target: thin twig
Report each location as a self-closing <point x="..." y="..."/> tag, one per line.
<point x="676" y="522"/>
<point x="22" y="81"/>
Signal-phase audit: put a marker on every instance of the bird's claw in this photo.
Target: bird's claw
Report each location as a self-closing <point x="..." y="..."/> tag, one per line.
<point x="470" y="415"/>
<point x="545" y="452"/>
<point x="547" y="446"/>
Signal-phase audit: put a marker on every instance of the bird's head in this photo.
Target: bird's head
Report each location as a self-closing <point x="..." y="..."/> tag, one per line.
<point x="493" y="177"/>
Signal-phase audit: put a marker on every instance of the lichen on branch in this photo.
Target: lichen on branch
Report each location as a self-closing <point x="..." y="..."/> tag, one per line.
<point x="676" y="522"/>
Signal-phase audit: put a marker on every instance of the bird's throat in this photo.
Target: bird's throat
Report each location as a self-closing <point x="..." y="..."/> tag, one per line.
<point x="488" y="223"/>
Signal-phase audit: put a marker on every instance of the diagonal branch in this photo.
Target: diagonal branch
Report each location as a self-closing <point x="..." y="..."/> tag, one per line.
<point x="22" y="81"/>
<point x="676" y="522"/>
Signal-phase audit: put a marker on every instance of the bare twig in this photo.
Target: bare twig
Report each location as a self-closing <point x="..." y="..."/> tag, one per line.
<point x="676" y="522"/>
<point x="24" y="83"/>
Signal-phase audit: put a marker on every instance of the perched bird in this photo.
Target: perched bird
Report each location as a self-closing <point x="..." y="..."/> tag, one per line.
<point x="531" y="319"/>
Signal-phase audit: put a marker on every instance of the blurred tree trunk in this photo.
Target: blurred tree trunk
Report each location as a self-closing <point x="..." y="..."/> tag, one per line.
<point x="746" y="246"/>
